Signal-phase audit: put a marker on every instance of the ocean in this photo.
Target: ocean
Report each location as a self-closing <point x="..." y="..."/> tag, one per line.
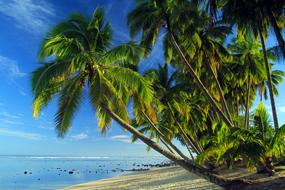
<point x="54" y="172"/>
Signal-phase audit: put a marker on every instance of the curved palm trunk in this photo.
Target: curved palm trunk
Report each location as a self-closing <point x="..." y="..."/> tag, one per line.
<point x="277" y="32"/>
<point x="200" y="84"/>
<point x="246" y="116"/>
<point x="193" y="74"/>
<point x="187" y="165"/>
<point x="272" y="101"/>
<point x="167" y="146"/>
<point x="224" y="102"/>
<point x="184" y="136"/>
<point x="162" y="136"/>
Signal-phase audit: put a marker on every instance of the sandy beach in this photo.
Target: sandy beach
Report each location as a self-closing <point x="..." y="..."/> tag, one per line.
<point x="156" y="179"/>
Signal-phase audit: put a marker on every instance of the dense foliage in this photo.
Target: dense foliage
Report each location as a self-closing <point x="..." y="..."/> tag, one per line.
<point x="216" y="65"/>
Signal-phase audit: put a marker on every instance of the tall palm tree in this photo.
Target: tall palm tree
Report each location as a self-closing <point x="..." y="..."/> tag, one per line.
<point x="247" y="51"/>
<point x="160" y="18"/>
<point x="248" y="15"/>
<point x="277" y="78"/>
<point x="273" y="10"/>
<point x="81" y="61"/>
<point x="203" y="43"/>
<point x="172" y="106"/>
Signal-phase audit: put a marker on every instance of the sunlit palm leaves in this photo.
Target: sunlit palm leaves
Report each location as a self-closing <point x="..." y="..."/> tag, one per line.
<point x="82" y="61"/>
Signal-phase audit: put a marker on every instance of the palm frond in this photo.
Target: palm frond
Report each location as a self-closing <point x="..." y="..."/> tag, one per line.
<point x="69" y="101"/>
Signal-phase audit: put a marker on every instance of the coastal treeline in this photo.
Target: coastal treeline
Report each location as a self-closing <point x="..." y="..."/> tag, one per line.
<point x="216" y="64"/>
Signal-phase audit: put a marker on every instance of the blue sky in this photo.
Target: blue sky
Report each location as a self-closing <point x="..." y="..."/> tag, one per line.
<point x="23" y="26"/>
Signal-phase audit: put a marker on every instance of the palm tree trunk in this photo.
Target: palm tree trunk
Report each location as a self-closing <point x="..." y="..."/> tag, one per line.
<point x="167" y="146"/>
<point x="246" y="116"/>
<point x="277" y="32"/>
<point x="200" y="84"/>
<point x="193" y="75"/>
<point x="160" y="134"/>
<point x="224" y="103"/>
<point x="184" y="136"/>
<point x="272" y="101"/>
<point x="187" y="165"/>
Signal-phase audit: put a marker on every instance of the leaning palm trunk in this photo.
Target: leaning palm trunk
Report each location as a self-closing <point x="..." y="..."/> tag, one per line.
<point x="246" y="116"/>
<point x="272" y="101"/>
<point x="200" y="84"/>
<point x="167" y="146"/>
<point x="184" y="136"/>
<point x="277" y="32"/>
<point x="162" y="136"/>
<point x="193" y="74"/>
<point x="223" y="100"/>
<point x="187" y="165"/>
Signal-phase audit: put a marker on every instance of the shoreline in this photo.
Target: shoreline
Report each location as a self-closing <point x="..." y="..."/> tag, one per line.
<point x="171" y="177"/>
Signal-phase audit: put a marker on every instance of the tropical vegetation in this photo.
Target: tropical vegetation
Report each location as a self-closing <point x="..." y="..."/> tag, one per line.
<point x="216" y="65"/>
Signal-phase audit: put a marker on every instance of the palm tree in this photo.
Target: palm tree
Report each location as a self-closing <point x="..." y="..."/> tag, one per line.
<point x="80" y="61"/>
<point x="203" y="43"/>
<point x="255" y="145"/>
<point x="248" y="17"/>
<point x="277" y="78"/>
<point x="273" y="10"/>
<point x="273" y="141"/>
<point x="246" y="50"/>
<point x="162" y="17"/>
<point x="174" y="114"/>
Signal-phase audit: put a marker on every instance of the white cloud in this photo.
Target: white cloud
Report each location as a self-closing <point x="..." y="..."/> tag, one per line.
<point x="11" y="122"/>
<point x="45" y="127"/>
<point x="30" y="15"/>
<point x="80" y="136"/>
<point x="10" y="68"/>
<point x="120" y="137"/>
<point x="20" y="134"/>
<point x="124" y="138"/>
<point x="10" y="118"/>
<point x="282" y="109"/>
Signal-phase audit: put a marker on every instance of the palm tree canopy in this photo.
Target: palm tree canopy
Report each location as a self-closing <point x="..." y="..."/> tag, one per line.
<point x="82" y="60"/>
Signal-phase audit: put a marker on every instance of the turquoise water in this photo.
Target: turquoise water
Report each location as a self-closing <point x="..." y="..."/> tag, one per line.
<point x="50" y="172"/>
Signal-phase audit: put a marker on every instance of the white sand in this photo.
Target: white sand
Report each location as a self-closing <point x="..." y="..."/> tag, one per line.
<point x="156" y="179"/>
